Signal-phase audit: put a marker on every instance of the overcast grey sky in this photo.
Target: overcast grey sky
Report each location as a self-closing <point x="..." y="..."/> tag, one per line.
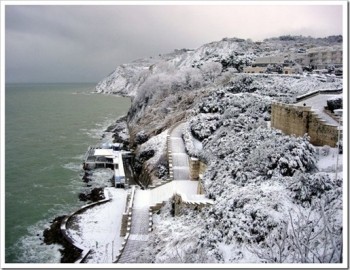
<point x="85" y="43"/>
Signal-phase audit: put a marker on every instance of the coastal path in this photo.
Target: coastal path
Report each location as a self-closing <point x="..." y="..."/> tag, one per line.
<point x="180" y="158"/>
<point x="145" y="198"/>
<point x="139" y="228"/>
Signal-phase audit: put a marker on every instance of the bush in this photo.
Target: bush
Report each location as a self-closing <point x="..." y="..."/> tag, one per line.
<point x="334" y="104"/>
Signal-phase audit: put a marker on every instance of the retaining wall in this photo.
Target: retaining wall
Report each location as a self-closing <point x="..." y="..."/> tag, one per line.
<point x="180" y="204"/>
<point x="126" y="224"/>
<point x="84" y="251"/>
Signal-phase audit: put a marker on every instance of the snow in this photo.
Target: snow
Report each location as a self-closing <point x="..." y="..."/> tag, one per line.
<point x="104" y="152"/>
<point x="142" y="198"/>
<point x="157" y="143"/>
<point x="192" y="145"/>
<point x="255" y="175"/>
<point x="328" y="163"/>
<point x="98" y="228"/>
<point x="186" y="188"/>
<point x="318" y="103"/>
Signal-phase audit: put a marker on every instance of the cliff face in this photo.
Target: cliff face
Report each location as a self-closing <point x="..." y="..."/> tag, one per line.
<point x="126" y="79"/>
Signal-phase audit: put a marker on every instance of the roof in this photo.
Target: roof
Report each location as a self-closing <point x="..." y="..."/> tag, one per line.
<point x="108" y="153"/>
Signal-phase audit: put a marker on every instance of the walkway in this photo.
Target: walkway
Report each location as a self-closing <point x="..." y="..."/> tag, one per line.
<point x="98" y="228"/>
<point x="180" y="159"/>
<point x="145" y="198"/>
<point x="318" y="103"/>
<point x="139" y="228"/>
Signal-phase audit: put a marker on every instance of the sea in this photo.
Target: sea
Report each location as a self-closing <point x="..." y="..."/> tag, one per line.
<point x="48" y="128"/>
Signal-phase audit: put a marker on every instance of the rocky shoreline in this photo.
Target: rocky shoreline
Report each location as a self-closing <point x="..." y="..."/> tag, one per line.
<point x="53" y="234"/>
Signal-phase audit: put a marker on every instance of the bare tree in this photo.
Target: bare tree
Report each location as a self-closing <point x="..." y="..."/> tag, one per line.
<point x="308" y="237"/>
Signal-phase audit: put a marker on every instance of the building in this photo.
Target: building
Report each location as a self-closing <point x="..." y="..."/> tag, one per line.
<point x="321" y="57"/>
<point x="269" y="60"/>
<point x="318" y="58"/>
<point x="107" y="156"/>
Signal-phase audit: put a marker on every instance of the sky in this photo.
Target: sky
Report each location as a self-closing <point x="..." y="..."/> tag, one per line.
<point x="84" y="43"/>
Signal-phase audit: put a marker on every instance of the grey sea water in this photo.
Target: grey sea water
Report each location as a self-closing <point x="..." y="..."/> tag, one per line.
<point x="48" y="128"/>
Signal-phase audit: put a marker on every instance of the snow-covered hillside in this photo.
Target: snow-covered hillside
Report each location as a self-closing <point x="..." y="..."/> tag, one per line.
<point x="272" y="204"/>
<point x="235" y="53"/>
<point x="273" y="201"/>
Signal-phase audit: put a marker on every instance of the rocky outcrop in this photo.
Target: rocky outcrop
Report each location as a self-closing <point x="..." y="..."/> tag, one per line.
<point x="53" y="235"/>
<point x="95" y="195"/>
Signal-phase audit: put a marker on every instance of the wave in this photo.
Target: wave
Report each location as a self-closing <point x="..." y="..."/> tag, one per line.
<point x="101" y="177"/>
<point x="31" y="248"/>
<point x="79" y="157"/>
<point x="100" y="131"/>
<point x="82" y="93"/>
<point x="75" y="167"/>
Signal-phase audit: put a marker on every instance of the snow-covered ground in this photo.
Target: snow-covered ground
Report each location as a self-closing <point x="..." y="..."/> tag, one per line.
<point x="157" y="143"/>
<point x="186" y="188"/>
<point x="327" y="162"/>
<point x="98" y="228"/>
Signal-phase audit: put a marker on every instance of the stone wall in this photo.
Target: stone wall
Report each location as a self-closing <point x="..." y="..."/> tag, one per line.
<point x="197" y="167"/>
<point x="202" y="167"/>
<point x="322" y="133"/>
<point x="194" y="165"/>
<point x="179" y="205"/>
<point x="298" y="120"/>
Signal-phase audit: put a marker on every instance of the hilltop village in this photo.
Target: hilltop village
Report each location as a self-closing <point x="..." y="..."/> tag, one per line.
<point x="230" y="153"/>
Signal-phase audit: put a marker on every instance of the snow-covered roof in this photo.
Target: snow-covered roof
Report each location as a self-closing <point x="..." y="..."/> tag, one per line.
<point x="104" y="152"/>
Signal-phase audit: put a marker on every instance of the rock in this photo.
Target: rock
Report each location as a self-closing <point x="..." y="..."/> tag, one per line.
<point x="146" y="155"/>
<point x="87" y="176"/>
<point x="141" y="137"/>
<point x="53" y="235"/>
<point x="95" y="195"/>
<point x="83" y="197"/>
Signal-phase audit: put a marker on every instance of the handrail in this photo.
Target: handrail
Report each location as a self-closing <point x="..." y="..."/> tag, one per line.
<point x="128" y="212"/>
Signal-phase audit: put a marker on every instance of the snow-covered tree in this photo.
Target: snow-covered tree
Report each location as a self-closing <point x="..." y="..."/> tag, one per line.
<point x="211" y="70"/>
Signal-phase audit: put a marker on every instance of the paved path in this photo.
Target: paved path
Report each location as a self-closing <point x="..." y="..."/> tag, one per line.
<point x="139" y="228"/>
<point x="180" y="159"/>
<point x="140" y="216"/>
<point x="318" y="103"/>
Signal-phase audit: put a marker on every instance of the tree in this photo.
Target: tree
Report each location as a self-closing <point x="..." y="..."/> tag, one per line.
<point x="211" y="70"/>
<point x="307" y="237"/>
